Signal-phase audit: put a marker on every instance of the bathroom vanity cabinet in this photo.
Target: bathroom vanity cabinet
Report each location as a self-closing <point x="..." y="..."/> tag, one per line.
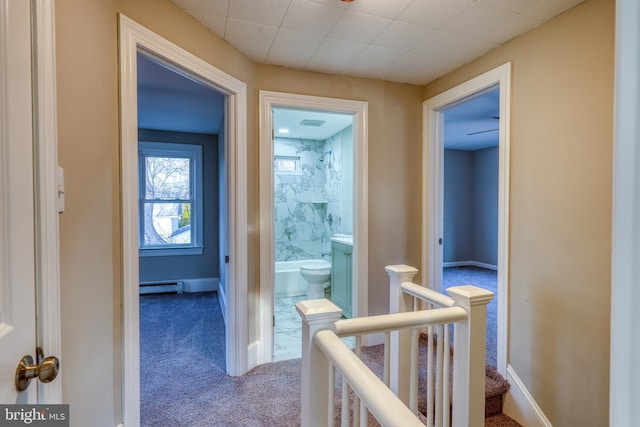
<point x="342" y="276"/>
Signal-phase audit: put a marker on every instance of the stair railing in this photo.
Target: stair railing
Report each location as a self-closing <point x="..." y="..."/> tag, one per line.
<point x="393" y="400"/>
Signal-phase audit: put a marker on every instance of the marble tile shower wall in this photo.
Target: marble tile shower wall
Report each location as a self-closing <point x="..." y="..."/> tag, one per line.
<point x="308" y="205"/>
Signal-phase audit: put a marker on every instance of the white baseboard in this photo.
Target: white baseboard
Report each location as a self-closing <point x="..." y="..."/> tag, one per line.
<point x="374" y="339"/>
<point x="252" y="354"/>
<point x="222" y="299"/>
<point x="206" y="284"/>
<point x="520" y="405"/>
<point x="470" y="264"/>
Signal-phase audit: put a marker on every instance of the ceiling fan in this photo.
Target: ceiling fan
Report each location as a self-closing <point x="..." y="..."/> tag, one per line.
<point x="487" y="130"/>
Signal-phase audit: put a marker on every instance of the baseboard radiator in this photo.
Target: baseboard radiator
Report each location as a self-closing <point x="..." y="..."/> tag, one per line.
<point x="159" y="286"/>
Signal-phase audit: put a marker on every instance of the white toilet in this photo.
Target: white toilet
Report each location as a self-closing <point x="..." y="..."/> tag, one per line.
<point x="317" y="273"/>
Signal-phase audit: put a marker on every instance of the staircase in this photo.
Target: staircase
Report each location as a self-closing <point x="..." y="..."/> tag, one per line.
<point x="413" y="376"/>
<point x="495" y="389"/>
<point x="496" y="386"/>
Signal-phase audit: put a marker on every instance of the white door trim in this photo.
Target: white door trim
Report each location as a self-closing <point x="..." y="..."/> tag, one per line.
<point x="433" y="182"/>
<point x="624" y="392"/>
<point x="134" y="38"/>
<point x="359" y="110"/>
<point x="46" y="191"/>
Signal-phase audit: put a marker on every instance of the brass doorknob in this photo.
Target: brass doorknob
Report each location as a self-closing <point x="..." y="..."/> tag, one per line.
<point x="46" y="371"/>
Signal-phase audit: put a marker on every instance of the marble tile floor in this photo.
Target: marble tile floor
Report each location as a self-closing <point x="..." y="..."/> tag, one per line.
<point x="288" y="331"/>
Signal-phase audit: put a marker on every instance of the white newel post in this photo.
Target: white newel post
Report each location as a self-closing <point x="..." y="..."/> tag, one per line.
<point x="316" y="315"/>
<point x="400" y="351"/>
<point x="469" y="356"/>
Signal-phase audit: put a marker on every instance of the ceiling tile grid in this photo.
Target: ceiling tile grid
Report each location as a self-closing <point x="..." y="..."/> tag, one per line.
<point x="409" y="41"/>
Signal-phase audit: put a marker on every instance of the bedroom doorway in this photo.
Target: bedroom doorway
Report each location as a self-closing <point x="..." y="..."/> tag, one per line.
<point x="470" y="200"/>
<point x="496" y="81"/>
<point x="135" y="39"/>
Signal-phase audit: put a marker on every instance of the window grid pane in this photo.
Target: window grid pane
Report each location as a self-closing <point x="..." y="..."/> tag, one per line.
<point x="167" y="177"/>
<point x="169" y="184"/>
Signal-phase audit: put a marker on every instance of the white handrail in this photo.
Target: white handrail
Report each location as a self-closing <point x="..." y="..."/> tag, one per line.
<point x="380" y="401"/>
<point x="395" y="322"/>
<point x="427" y="294"/>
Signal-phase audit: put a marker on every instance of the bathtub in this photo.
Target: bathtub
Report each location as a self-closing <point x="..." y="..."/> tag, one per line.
<point x="288" y="281"/>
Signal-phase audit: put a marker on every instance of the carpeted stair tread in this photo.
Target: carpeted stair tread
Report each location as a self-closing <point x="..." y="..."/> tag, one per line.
<point x="501" y="420"/>
<point x="495" y="388"/>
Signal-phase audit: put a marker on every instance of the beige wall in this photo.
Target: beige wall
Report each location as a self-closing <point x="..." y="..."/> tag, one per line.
<point x="560" y="201"/>
<point x="87" y="73"/>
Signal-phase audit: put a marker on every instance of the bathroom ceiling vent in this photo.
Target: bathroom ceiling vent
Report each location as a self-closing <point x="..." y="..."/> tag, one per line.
<point x="310" y="122"/>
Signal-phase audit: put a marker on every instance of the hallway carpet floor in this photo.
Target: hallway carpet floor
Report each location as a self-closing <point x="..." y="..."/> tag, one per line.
<point x="182" y="370"/>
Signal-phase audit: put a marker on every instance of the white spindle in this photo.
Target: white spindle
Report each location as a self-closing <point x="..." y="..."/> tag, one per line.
<point x="446" y="398"/>
<point x="344" y="413"/>
<point x="363" y="414"/>
<point x="387" y="355"/>
<point x="413" y="380"/>
<point x="439" y="375"/>
<point x="331" y="410"/>
<point x="430" y="376"/>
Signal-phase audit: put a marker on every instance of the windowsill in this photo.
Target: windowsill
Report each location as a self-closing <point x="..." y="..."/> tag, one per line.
<point x="192" y="250"/>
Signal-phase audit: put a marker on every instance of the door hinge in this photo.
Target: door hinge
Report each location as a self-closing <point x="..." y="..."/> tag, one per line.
<point x="274" y="321"/>
<point x="440" y="241"/>
<point x="226" y="259"/>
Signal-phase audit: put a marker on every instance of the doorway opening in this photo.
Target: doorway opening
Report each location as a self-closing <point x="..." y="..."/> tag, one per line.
<point x="449" y="234"/>
<point x="232" y="256"/>
<point x="313" y="199"/>
<point x="180" y="165"/>
<point x="470" y="198"/>
<point x="314" y="215"/>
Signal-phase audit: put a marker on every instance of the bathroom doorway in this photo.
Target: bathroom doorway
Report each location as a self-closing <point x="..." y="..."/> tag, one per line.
<point x="313" y="188"/>
<point x="313" y="201"/>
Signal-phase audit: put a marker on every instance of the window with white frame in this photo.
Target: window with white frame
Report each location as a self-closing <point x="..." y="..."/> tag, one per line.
<point x="170" y="198"/>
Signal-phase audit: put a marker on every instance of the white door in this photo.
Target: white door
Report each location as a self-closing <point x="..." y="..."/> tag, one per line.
<point x="17" y="248"/>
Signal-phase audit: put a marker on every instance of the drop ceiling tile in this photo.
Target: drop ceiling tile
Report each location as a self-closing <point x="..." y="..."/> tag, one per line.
<point x="359" y="27"/>
<point x="217" y="7"/>
<point x="215" y="23"/>
<point x="474" y="49"/>
<point x="335" y="54"/>
<point x="434" y="13"/>
<point x="418" y="69"/>
<point x="311" y="17"/>
<point x="250" y="38"/>
<point x="516" y="6"/>
<point x="402" y="36"/>
<point x="477" y="20"/>
<point x="374" y="57"/>
<point x="519" y="24"/>
<point x="293" y="48"/>
<point x="547" y="9"/>
<point x="267" y="12"/>
<point x="440" y="44"/>
<point x="382" y="8"/>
